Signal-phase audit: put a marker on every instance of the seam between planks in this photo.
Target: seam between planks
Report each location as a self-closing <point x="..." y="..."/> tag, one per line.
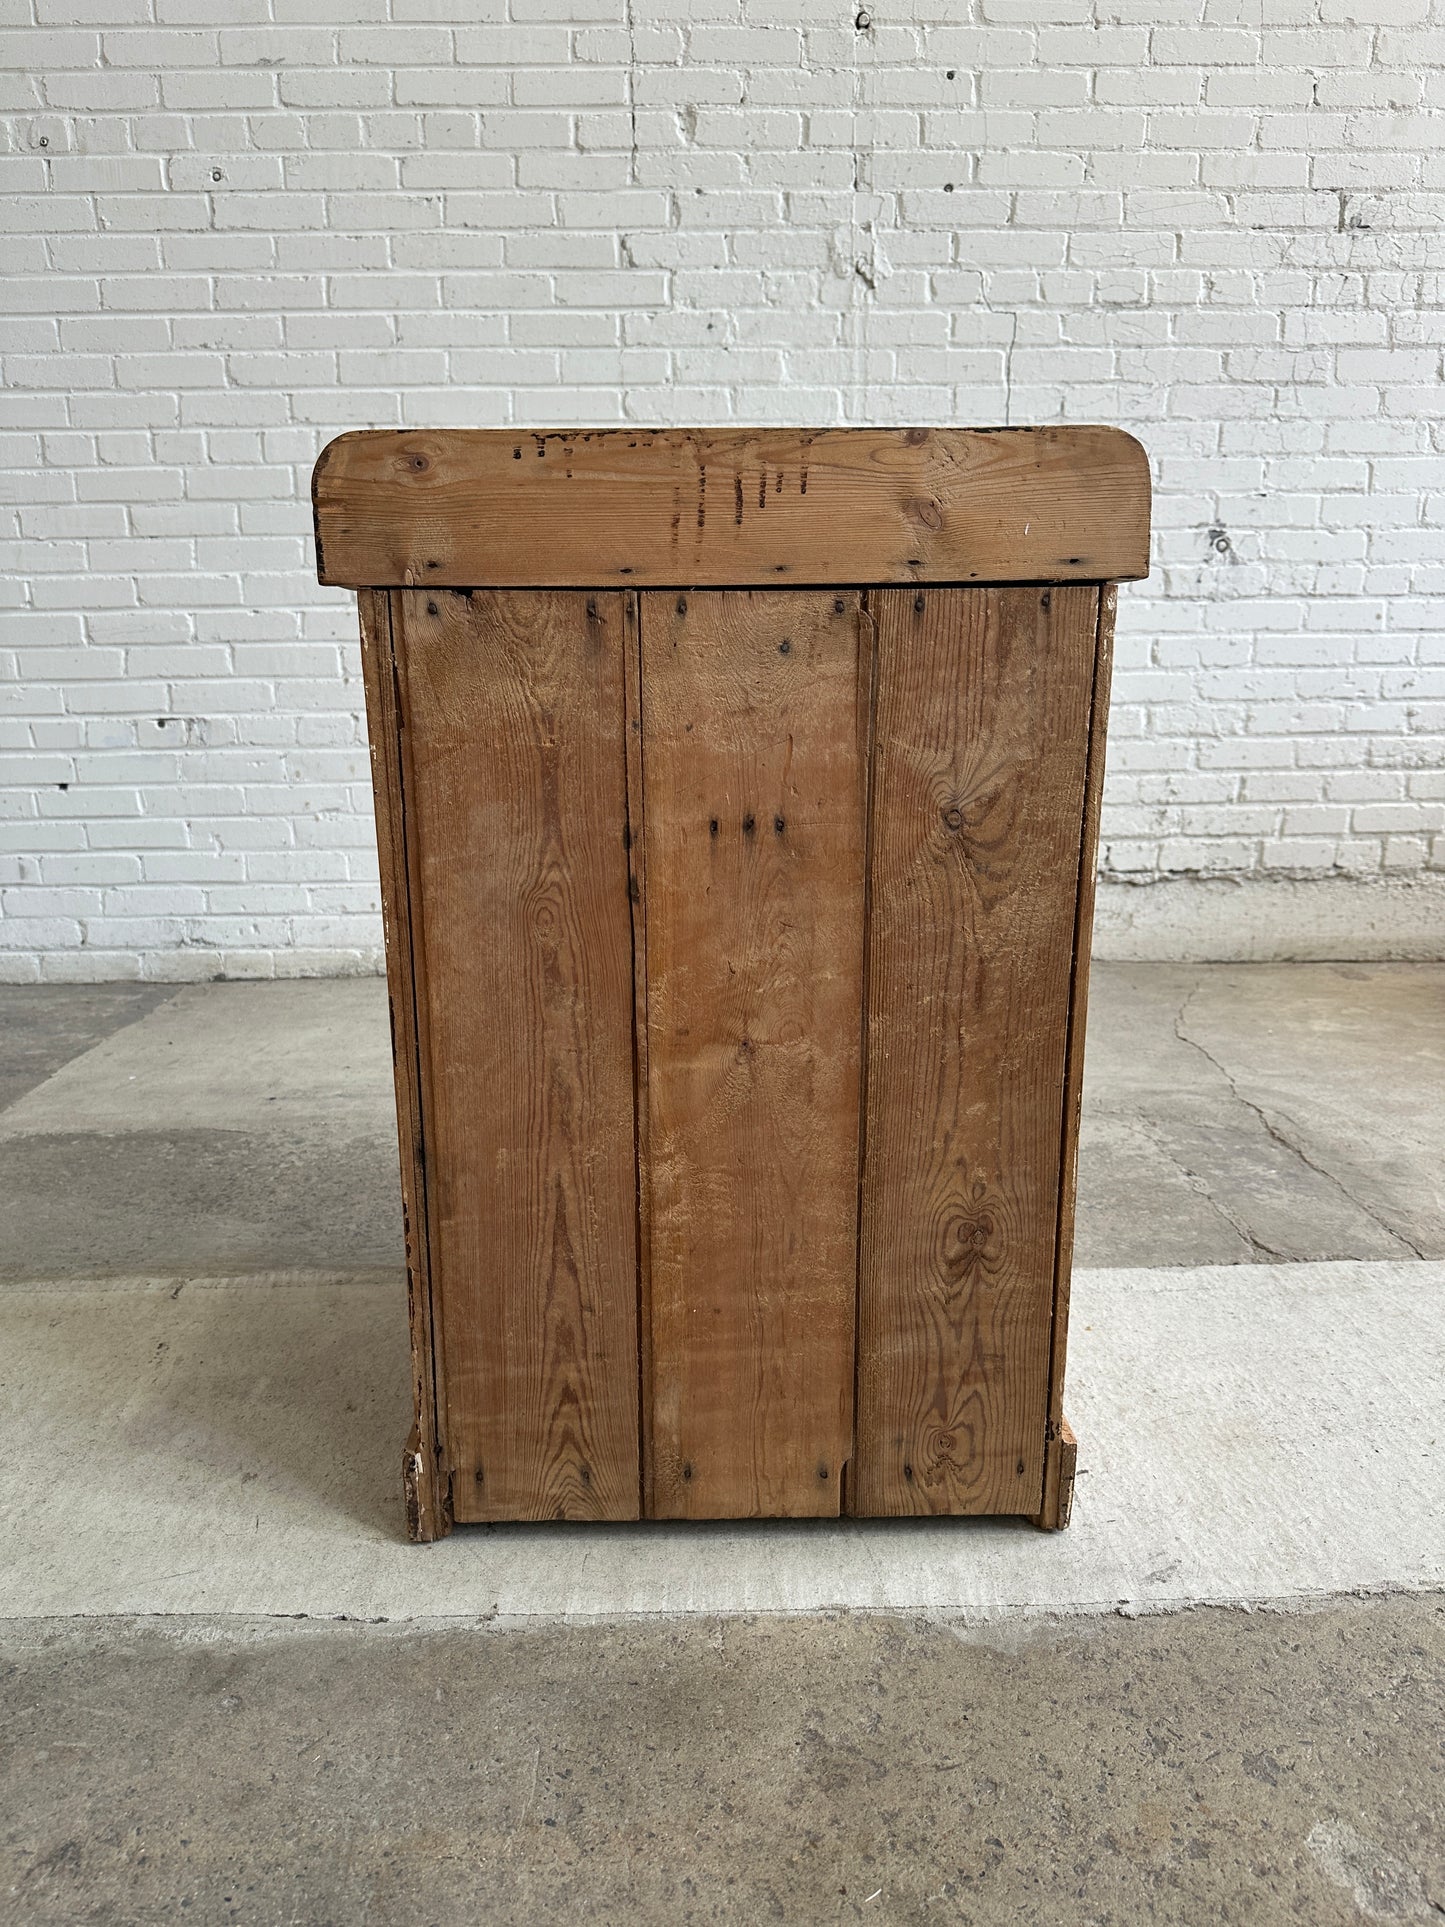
<point x="633" y="751"/>
<point x="867" y="633"/>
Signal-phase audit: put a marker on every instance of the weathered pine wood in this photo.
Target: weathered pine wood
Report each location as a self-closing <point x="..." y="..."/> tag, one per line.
<point x="979" y="753"/>
<point x="424" y="1483"/>
<point x="754" y="705"/>
<point x="1061" y="1469"/>
<point x="419" y="508"/>
<point x="1061" y="1449"/>
<point x="515" y="778"/>
<point x="637" y="885"/>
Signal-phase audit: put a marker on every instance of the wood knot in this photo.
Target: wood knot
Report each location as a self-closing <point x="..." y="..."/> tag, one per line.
<point x="952" y="817"/>
<point x="417" y="462"/>
<point x="785" y="648"/>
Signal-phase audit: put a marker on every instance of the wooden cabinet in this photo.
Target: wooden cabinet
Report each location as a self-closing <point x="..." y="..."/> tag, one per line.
<point x="737" y="796"/>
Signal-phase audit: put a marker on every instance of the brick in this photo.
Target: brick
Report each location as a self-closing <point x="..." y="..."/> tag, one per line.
<point x="560" y="217"/>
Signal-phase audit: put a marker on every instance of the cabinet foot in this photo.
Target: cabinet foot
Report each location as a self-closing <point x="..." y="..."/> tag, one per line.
<point x="1061" y="1457"/>
<point x="428" y="1512"/>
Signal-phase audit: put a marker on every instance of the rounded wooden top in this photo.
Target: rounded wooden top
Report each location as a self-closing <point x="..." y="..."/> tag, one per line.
<point x="726" y="507"/>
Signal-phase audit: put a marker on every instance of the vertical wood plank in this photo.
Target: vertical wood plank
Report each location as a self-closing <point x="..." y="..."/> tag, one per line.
<point x="515" y="773"/>
<point x="637" y="874"/>
<point x="1061" y="1451"/>
<point x="753" y="705"/>
<point x="428" y="1514"/>
<point x="980" y="749"/>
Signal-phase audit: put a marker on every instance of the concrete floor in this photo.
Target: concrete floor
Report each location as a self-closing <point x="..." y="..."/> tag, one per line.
<point x="203" y="1387"/>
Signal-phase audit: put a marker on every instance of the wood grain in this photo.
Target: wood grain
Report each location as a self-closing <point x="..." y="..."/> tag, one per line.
<point x="428" y="1511"/>
<point x="637" y="888"/>
<point x="753" y="709"/>
<point x="515" y="777"/>
<point x="470" y="507"/>
<point x="980" y="746"/>
<point x="1061" y="1448"/>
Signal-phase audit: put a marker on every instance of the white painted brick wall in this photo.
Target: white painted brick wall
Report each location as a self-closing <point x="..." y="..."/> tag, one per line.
<point x="238" y="227"/>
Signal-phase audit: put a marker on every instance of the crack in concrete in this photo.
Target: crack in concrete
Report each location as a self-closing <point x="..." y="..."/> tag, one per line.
<point x="1277" y="1133"/>
<point x="1261" y="1252"/>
